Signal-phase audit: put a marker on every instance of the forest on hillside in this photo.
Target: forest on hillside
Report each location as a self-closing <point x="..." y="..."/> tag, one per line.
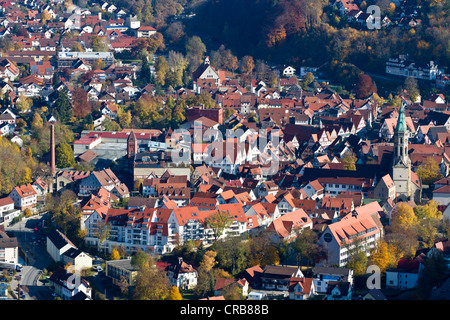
<point x="299" y="32"/>
<point x="311" y="32"/>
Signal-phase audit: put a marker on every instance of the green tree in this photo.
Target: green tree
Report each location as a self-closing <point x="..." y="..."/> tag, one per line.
<point x="55" y="80"/>
<point x="140" y="259"/>
<point x="219" y="221"/>
<point x="62" y="105"/>
<point x="358" y="259"/>
<point x="434" y="272"/>
<point x="64" y="156"/>
<point x="195" y="49"/>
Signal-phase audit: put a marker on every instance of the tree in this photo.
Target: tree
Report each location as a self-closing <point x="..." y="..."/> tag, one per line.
<point x="174" y="294"/>
<point x="81" y="106"/>
<point x="56" y="80"/>
<point x="62" y="105"/>
<point x="428" y="211"/>
<point x="232" y="254"/>
<point x="349" y="161"/>
<point x="15" y="166"/>
<point x="102" y="232"/>
<point x="381" y="256"/>
<point x="99" y="64"/>
<point x="307" y="79"/>
<point x="412" y="88"/>
<point x="64" y="156"/>
<point x="114" y="254"/>
<point x="37" y="122"/>
<point x="124" y="117"/>
<point x="22" y="103"/>
<point x="357" y="260"/>
<point x="364" y="86"/>
<point x="306" y="246"/>
<point x="45" y="16"/>
<point x="247" y="64"/>
<point x="434" y="272"/>
<point x="161" y="69"/>
<point x="195" y="49"/>
<point x="206" y="278"/>
<point x="99" y="43"/>
<point x="140" y="260"/>
<point x="403" y="218"/>
<point x="148" y="109"/>
<point x="429" y="171"/>
<point x="151" y="282"/>
<point x="219" y="221"/>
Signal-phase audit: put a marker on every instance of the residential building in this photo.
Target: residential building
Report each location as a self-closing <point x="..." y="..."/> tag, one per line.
<point x="405" y="275"/>
<point x="7" y="211"/>
<point x="145" y="31"/>
<point x="9" y="247"/>
<point x="278" y="278"/>
<point x="69" y="286"/>
<point x="182" y="275"/>
<point x="324" y="275"/>
<point x="362" y="225"/>
<point x="404" y="66"/>
<point x="66" y="59"/>
<point x="24" y="196"/>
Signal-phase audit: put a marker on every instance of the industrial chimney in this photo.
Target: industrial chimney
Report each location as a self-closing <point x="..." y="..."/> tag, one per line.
<point x="52" y="150"/>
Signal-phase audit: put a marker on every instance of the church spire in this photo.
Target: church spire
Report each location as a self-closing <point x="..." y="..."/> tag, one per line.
<point x="401" y="122"/>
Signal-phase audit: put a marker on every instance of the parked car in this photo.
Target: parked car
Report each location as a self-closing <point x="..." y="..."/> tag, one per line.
<point x="97" y="268"/>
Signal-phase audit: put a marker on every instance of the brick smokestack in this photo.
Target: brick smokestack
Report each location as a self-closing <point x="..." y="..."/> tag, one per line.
<point x="52" y="150"/>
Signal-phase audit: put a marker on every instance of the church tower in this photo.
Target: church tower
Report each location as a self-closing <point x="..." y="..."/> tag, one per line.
<point x="401" y="164"/>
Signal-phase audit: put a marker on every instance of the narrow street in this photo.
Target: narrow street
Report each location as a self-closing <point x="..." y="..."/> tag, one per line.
<point x="36" y="259"/>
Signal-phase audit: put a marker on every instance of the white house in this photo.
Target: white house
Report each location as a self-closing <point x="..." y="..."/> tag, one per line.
<point x="9" y="248"/>
<point x="405" y="276"/>
<point x="57" y="244"/>
<point x="323" y="275"/>
<point x="69" y="286"/>
<point x="77" y="259"/>
<point x="24" y="196"/>
<point x="182" y="275"/>
<point x="362" y="224"/>
<point x="7" y="210"/>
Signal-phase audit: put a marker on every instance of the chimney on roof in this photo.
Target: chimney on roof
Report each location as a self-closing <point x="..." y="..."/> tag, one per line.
<point x="52" y="150"/>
